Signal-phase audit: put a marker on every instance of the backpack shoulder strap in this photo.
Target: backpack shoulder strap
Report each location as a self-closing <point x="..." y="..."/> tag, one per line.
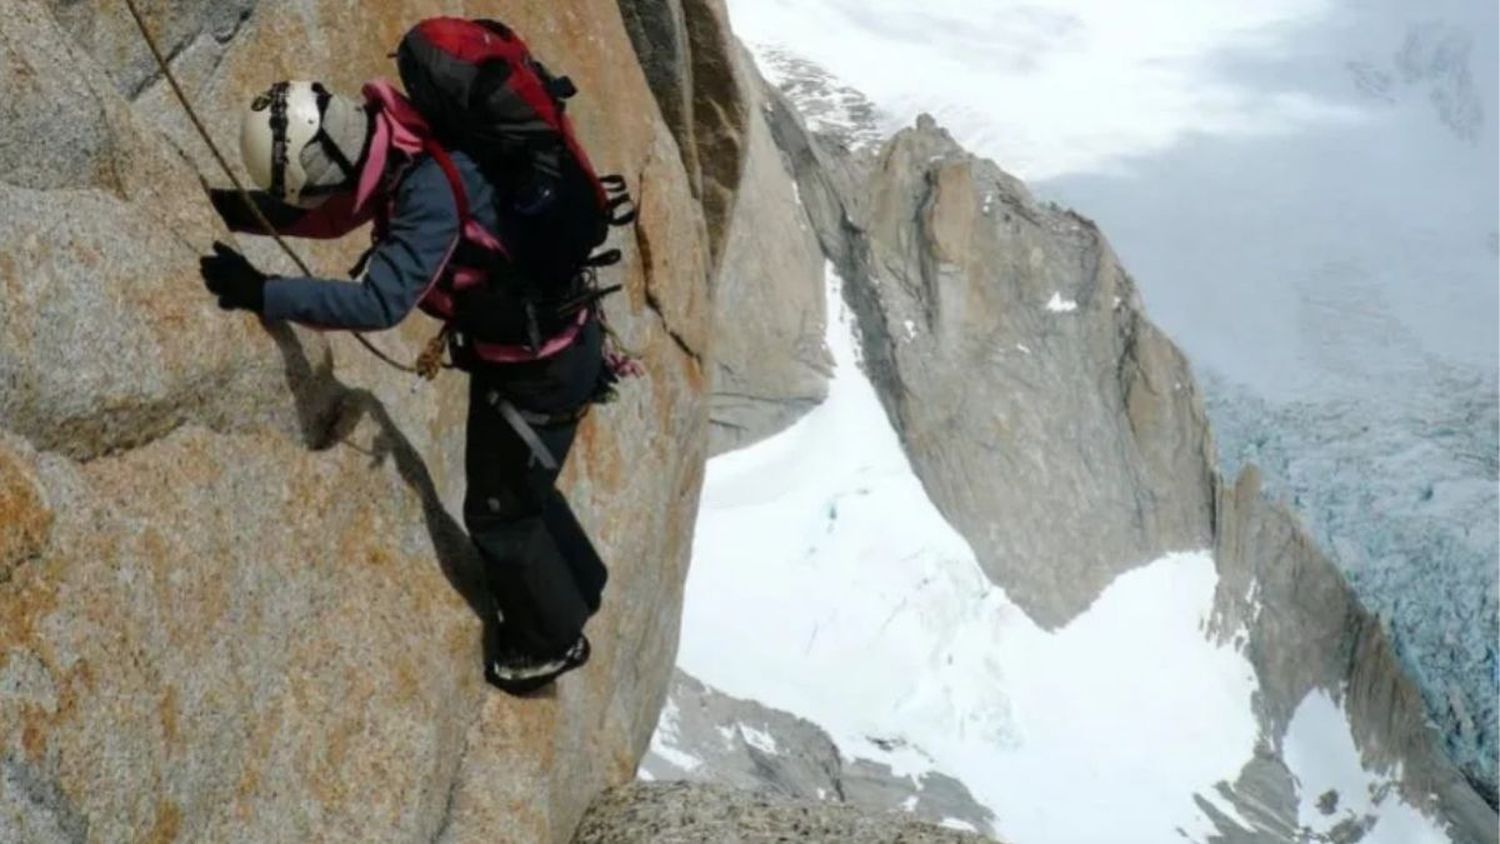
<point x="455" y="181"/>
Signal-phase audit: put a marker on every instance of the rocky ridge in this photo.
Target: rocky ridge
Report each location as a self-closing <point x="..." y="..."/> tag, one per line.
<point x="1404" y="498"/>
<point x="706" y="736"/>
<point x="1013" y="355"/>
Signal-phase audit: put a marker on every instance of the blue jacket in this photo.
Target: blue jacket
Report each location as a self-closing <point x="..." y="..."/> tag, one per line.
<point x="423" y="225"/>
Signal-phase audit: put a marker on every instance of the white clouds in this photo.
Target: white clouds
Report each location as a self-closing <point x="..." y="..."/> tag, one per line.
<point x="1055" y="87"/>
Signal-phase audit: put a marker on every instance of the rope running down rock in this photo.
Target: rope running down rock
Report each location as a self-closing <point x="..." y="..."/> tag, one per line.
<point x="426" y="369"/>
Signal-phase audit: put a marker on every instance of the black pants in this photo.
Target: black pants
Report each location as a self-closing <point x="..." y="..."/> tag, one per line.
<point x="542" y="570"/>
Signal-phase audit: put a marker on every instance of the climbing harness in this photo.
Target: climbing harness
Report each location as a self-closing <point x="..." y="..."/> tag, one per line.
<point x="429" y="363"/>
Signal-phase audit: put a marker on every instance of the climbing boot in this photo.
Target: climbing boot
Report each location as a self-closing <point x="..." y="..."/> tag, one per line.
<point x="521" y="673"/>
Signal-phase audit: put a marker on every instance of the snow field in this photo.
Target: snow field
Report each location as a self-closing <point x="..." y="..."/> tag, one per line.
<point x="826" y="584"/>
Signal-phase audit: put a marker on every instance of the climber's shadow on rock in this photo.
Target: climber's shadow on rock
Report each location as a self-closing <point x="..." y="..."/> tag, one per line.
<point x="328" y="411"/>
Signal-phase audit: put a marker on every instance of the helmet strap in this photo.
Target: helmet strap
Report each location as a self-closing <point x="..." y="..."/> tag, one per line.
<point x="279" y="124"/>
<point x="336" y="155"/>
<point x="326" y="141"/>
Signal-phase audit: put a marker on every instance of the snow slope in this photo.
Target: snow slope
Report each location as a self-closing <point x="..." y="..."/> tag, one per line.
<point x="825" y="583"/>
<point x="1334" y="790"/>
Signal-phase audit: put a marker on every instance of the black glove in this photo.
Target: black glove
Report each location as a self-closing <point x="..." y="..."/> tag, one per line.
<point x="236" y="282"/>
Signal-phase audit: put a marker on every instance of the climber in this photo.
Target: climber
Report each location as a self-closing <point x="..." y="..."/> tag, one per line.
<point x="485" y="217"/>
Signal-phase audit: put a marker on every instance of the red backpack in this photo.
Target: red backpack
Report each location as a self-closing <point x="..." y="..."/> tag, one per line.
<point x="481" y="91"/>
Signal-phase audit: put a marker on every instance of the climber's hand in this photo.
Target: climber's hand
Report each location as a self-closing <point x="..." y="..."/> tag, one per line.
<point x="236" y="281"/>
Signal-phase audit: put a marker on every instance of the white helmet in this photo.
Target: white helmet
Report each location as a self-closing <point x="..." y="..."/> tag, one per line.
<point x="302" y="143"/>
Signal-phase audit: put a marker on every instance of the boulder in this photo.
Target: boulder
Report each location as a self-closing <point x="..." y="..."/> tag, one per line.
<point x="706" y="736"/>
<point x="684" y="813"/>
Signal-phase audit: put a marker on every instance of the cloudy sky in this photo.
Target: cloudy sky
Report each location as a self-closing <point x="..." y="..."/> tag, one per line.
<point x="1305" y="189"/>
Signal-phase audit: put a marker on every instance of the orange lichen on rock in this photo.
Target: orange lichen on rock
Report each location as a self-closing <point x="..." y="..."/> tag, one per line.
<point x="25" y="520"/>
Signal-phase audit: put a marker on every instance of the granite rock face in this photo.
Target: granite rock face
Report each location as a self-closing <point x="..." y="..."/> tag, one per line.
<point x="1404" y="498"/>
<point x="1304" y="630"/>
<point x="1013" y="355"/>
<point x="234" y="601"/>
<point x="770" y="364"/>
<point x="709" y="737"/>
<point x="831" y="176"/>
<point x="691" y="60"/>
<point x="1029" y="388"/>
<point x="687" y="813"/>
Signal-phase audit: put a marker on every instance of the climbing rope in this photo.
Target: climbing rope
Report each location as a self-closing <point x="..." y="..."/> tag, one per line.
<point x="431" y="359"/>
